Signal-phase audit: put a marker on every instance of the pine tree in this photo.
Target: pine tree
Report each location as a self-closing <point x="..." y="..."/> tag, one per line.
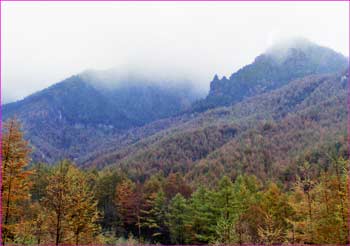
<point x="154" y="217"/>
<point x="203" y="216"/>
<point x="39" y="180"/>
<point x="246" y="195"/>
<point x="104" y="191"/>
<point x="178" y="220"/>
<point x="227" y="220"/>
<point x="15" y="179"/>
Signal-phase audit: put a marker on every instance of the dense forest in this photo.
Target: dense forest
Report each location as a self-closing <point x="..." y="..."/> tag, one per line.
<point x="63" y="204"/>
<point x="262" y="159"/>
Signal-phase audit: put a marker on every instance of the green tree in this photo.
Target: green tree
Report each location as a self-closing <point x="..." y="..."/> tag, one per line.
<point x="203" y="216"/>
<point x="246" y="194"/>
<point x="104" y="191"/>
<point x="39" y="180"/>
<point x="154" y="217"/>
<point x="178" y="220"/>
<point x="224" y="198"/>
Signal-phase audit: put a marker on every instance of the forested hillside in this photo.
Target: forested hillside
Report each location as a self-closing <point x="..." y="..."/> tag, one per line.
<point x="62" y="204"/>
<point x="262" y="159"/>
<point x="96" y="112"/>
<point x="74" y="117"/>
<point x="290" y="120"/>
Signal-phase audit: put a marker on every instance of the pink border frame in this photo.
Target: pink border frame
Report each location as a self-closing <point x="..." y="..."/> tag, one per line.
<point x="0" y="129"/>
<point x="348" y="127"/>
<point x="348" y="98"/>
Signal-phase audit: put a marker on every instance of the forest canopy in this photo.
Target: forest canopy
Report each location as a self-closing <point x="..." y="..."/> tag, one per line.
<point x="63" y="204"/>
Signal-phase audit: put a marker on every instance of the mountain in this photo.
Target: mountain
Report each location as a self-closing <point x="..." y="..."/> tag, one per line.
<point x="275" y="128"/>
<point x="269" y="164"/>
<point x="137" y="122"/>
<point x="280" y="64"/>
<point x="283" y="127"/>
<point x="72" y="117"/>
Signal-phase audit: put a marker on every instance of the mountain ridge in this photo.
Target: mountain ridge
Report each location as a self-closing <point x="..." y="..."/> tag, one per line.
<point x="270" y="70"/>
<point x="59" y="117"/>
<point x="84" y="120"/>
<point x="302" y="98"/>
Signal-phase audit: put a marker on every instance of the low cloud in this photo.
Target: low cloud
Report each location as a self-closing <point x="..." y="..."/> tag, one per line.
<point x="179" y="41"/>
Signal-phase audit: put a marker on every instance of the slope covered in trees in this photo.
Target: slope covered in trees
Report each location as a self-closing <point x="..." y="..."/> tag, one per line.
<point x="277" y="127"/>
<point x="109" y="110"/>
<point x="270" y="166"/>
<point x="71" y="206"/>
<point x="80" y="109"/>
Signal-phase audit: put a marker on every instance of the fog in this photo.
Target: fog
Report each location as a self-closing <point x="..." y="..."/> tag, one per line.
<point x="46" y="42"/>
<point x="134" y="75"/>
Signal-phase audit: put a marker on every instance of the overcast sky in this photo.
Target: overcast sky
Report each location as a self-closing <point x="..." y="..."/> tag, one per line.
<point x="45" y="42"/>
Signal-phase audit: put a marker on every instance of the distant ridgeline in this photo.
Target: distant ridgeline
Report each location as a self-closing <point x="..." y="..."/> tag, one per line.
<point x="263" y="159"/>
<point x="271" y="70"/>
<point x="98" y="118"/>
<point x="70" y="117"/>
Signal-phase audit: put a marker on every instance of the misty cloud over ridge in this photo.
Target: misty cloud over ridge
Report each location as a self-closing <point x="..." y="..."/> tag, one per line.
<point x="126" y="76"/>
<point x="195" y="39"/>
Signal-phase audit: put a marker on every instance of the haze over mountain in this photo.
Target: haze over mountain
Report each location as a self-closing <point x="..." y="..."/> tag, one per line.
<point x="280" y="64"/>
<point x="175" y="123"/>
<point x="261" y="159"/>
<point x="78" y="117"/>
<point x="84" y="106"/>
<point x="197" y="39"/>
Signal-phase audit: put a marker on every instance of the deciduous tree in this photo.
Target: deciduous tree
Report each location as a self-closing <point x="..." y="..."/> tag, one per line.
<point x="15" y="179"/>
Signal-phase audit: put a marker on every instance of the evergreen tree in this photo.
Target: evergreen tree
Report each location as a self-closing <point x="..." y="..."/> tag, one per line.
<point x="224" y="197"/>
<point x="178" y="220"/>
<point x="203" y="216"/>
<point x="246" y="195"/>
<point x="39" y="180"/>
<point x="104" y="191"/>
<point x="154" y="217"/>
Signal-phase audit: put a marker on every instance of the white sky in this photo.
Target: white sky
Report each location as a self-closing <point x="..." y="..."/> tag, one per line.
<point x="45" y="42"/>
